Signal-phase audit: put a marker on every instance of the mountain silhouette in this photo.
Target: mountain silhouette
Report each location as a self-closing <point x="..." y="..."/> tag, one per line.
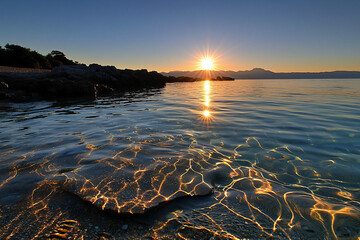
<point x="259" y="73"/>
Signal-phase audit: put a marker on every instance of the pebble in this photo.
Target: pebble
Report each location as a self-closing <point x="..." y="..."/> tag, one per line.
<point x="124" y="227"/>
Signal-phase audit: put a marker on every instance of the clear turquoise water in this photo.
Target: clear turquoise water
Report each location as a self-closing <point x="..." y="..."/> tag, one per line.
<point x="279" y="156"/>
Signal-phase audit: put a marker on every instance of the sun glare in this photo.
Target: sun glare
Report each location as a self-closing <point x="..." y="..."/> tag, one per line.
<point x="207" y="64"/>
<point x="206" y="113"/>
<point x="207" y="61"/>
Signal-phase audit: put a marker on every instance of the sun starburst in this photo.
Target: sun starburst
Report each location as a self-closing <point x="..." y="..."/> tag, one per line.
<point x="207" y="64"/>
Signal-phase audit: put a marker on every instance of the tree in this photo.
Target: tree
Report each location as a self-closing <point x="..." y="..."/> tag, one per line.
<point x="17" y="56"/>
<point x="59" y="58"/>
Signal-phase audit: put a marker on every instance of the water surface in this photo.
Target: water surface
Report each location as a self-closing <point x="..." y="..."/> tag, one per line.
<point x="244" y="158"/>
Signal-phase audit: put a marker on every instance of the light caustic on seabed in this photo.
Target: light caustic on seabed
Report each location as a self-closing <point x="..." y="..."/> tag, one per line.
<point x="245" y="196"/>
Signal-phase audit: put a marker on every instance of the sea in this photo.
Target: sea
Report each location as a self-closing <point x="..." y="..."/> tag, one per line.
<point x="243" y="159"/>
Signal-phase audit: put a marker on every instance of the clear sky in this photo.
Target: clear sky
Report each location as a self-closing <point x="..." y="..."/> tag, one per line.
<point x="279" y="35"/>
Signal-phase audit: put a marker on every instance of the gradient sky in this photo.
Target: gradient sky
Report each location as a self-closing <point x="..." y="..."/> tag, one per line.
<point x="287" y="35"/>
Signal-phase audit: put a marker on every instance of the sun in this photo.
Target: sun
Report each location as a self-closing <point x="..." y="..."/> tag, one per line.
<point x="207" y="64"/>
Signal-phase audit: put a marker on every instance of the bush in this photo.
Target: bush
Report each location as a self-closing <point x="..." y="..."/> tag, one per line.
<point x="18" y="56"/>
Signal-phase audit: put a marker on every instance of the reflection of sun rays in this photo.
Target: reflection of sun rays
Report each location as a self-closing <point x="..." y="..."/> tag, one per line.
<point x="206" y="115"/>
<point x="207" y="118"/>
<point x="207" y="88"/>
<point x="207" y="101"/>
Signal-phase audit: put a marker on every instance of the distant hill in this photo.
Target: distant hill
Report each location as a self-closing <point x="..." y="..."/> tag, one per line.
<point x="259" y="73"/>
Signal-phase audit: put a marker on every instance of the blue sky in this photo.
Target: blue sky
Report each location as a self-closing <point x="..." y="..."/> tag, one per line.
<point x="279" y="35"/>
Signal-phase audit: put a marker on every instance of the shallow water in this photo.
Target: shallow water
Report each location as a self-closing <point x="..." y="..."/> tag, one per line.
<point x="244" y="158"/>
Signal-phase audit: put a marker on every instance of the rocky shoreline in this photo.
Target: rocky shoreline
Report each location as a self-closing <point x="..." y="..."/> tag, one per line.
<point x="74" y="81"/>
<point x="80" y="81"/>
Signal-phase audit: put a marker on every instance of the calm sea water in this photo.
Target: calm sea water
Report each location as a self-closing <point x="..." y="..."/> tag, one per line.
<point x="244" y="158"/>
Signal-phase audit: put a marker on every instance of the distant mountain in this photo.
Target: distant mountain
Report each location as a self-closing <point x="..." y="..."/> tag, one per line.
<point x="259" y="73"/>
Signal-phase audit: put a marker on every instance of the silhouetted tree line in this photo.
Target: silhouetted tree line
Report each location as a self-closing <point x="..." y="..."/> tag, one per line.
<point x="18" y="56"/>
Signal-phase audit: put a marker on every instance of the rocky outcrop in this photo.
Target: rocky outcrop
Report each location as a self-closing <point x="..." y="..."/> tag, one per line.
<point x="220" y="78"/>
<point x="75" y="81"/>
<point x="172" y="79"/>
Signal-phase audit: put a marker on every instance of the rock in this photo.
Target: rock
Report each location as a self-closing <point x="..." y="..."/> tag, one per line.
<point x="75" y="81"/>
<point x="124" y="227"/>
<point x="134" y="193"/>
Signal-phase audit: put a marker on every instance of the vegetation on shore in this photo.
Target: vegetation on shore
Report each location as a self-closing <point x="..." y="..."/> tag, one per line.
<point x="17" y="56"/>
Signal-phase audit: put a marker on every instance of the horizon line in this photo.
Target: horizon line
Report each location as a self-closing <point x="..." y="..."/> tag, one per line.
<point x="338" y="70"/>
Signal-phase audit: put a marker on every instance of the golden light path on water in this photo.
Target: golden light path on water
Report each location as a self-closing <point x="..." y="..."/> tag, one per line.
<point x="207" y="115"/>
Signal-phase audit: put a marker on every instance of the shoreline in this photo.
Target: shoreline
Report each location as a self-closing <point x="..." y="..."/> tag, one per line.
<point x="74" y="81"/>
<point x="22" y="85"/>
<point x="22" y="70"/>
